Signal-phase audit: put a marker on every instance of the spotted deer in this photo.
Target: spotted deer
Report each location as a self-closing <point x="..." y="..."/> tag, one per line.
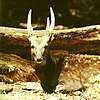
<point x="46" y="67"/>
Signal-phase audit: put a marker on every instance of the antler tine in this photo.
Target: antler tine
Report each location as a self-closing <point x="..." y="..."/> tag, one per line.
<point x="52" y="19"/>
<point x="29" y="26"/>
<point x="49" y="26"/>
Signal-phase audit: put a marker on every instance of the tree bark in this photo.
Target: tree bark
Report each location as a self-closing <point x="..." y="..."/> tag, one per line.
<point x="83" y="40"/>
<point x="16" y="69"/>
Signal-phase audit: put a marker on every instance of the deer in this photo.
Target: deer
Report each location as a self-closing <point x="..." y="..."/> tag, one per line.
<point x="47" y="68"/>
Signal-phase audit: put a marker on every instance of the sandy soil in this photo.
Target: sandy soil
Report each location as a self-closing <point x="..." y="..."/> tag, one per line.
<point x="33" y="91"/>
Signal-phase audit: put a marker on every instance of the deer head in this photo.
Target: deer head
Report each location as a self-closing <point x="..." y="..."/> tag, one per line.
<point x="39" y="43"/>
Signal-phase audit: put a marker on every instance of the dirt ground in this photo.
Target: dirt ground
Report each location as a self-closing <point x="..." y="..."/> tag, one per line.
<point x="33" y="91"/>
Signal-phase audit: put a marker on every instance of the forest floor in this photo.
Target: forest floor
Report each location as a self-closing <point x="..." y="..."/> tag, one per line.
<point x="33" y="91"/>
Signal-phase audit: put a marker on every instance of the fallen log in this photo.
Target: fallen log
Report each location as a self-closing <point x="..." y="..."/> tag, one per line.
<point x="15" y="69"/>
<point x="83" y="40"/>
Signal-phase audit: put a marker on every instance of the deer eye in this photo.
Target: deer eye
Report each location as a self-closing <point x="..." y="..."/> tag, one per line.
<point x="32" y="47"/>
<point x="45" y="47"/>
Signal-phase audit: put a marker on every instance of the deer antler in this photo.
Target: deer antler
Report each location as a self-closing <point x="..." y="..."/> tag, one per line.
<point x="49" y="26"/>
<point x="29" y="26"/>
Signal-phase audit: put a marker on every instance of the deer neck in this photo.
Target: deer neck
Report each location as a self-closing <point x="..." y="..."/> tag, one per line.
<point x="49" y="73"/>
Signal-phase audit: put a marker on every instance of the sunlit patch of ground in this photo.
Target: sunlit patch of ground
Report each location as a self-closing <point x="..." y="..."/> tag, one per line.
<point x="33" y="91"/>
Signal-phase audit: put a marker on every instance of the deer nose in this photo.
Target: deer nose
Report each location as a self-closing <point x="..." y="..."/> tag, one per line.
<point x="39" y="59"/>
